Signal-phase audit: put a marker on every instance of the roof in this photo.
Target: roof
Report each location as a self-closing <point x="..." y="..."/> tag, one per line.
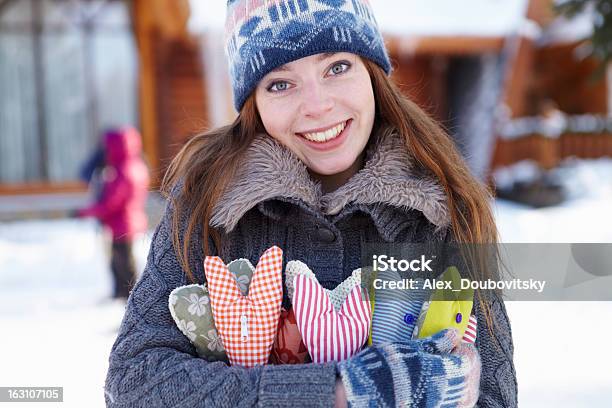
<point x="480" y="18"/>
<point x="484" y="18"/>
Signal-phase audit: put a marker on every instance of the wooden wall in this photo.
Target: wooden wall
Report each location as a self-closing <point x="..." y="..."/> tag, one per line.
<point x="571" y="82"/>
<point x="421" y="66"/>
<point x="555" y="76"/>
<point x="182" y="101"/>
<point x="173" y="104"/>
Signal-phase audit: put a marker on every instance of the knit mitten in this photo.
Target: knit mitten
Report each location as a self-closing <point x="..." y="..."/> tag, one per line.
<point x="334" y="324"/>
<point x="247" y="324"/>
<point x="432" y="372"/>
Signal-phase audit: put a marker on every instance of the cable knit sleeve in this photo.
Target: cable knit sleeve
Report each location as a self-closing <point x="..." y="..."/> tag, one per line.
<point x="153" y="364"/>
<point x="498" y="386"/>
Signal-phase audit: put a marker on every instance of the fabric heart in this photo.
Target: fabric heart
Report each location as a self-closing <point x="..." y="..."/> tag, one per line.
<point x="247" y="324"/>
<point x="334" y="324"/>
<point x="190" y="308"/>
<point x="470" y="332"/>
<point x="288" y="346"/>
<point x="447" y="308"/>
<point x="468" y="336"/>
<point x="242" y="269"/>
<point x="394" y="311"/>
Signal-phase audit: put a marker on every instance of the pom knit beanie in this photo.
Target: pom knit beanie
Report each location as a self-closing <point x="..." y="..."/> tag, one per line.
<point x="261" y="35"/>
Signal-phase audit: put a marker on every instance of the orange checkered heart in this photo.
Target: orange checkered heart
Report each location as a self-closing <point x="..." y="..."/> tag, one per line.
<point x="247" y="324"/>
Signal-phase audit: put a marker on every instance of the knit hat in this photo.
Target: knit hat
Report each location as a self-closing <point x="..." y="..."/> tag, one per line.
<point x="261" y="35"/>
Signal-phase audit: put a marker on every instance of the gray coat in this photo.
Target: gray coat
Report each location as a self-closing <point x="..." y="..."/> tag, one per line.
<point x="273" y="201"/>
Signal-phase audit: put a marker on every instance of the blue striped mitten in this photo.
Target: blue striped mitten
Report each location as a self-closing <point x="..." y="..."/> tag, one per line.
<point x="430" y="372"/>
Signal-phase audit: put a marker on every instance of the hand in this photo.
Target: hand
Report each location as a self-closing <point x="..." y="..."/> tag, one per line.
<point x="468" y="353"/>
<point x="414" y="373"/>
<point x="340" y="395"/>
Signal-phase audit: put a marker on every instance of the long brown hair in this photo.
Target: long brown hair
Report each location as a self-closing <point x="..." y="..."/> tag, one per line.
<point x="209" y="161"/>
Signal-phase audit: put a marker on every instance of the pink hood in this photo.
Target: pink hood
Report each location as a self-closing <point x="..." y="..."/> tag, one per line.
<point x="121" y="145"/>
<point x="121" y="205"/>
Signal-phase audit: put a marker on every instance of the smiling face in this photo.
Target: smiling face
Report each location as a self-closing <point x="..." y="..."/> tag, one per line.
<point x="321" y="107"/>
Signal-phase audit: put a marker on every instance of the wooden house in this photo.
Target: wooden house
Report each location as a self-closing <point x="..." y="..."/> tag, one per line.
<point x="159" y="65"/>
<point x="71" y="68"/>
<point x="68" y="69"/>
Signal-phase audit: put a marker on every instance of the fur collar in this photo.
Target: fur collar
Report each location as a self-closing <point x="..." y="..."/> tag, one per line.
<point x="389" y="177"/>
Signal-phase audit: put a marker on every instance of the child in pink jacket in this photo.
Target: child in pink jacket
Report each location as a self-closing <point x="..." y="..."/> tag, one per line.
<point x="121" y="205"/>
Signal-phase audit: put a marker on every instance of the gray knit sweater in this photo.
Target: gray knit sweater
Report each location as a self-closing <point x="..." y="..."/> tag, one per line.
<point x="273" y="201"/>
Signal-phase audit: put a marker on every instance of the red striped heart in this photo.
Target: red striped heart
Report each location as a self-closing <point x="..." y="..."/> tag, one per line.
<point x="329" y="333"/>
<point x="469" y="336"/>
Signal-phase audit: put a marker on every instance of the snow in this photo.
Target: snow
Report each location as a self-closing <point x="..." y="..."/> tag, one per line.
<point x="569" y="30"/>
<point x="483" y="18"/>
<point x="409" y="17"/>
<point x="584" y="217"/>
<point x="206" y="16"/>
<point x="57" y="329"/>
<point x="558" y="359"/>
<point x="57" y="325"/>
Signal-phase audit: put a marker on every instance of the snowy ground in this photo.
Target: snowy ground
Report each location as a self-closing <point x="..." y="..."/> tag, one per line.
<point x="557" y="367"/>
<point x="57" y="324"/>
<point x="57" y="330"/>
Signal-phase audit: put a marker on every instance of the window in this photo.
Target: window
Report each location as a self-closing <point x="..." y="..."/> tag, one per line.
<point x="67" y="72"/>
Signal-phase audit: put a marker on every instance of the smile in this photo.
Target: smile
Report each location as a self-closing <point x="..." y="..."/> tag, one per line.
<point x="325" y="135"/>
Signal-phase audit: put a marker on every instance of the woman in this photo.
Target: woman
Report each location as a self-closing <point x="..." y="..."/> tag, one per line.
<point x="325" y="154"/>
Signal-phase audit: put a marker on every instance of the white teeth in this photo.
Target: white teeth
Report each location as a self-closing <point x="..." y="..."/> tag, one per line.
<point x="327" y="135"/>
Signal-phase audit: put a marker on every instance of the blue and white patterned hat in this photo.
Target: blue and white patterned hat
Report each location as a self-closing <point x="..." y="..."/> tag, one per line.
<point x="261" y="35"/>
